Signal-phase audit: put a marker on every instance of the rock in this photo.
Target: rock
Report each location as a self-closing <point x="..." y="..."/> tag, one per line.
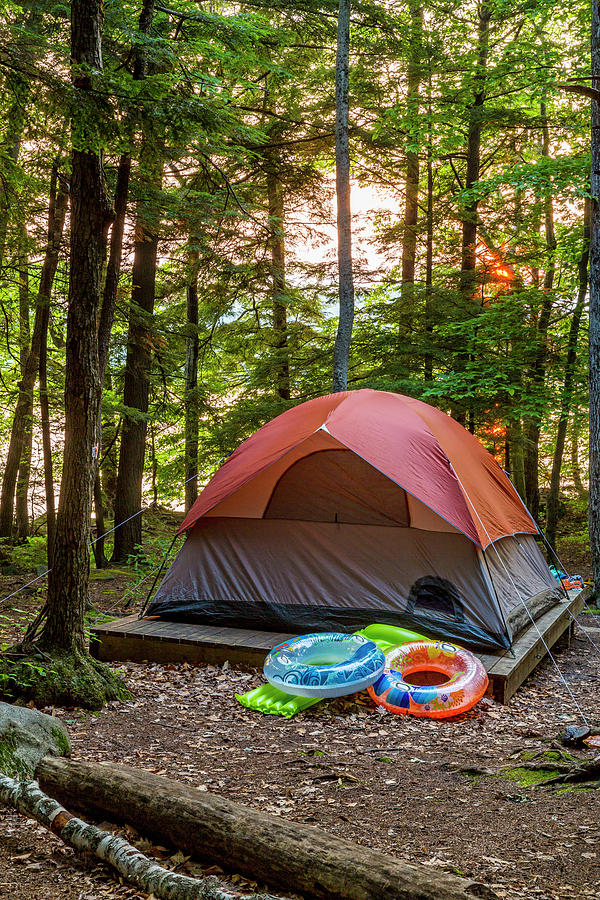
<point x="574" y="736"/>
<point x="26" y="736"/>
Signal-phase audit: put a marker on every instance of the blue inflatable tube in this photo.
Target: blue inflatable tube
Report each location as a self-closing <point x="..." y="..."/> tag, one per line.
<point x="324" y="665"/>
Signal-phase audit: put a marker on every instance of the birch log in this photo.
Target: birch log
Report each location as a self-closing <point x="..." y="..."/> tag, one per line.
<point x="27" y="798"/>
<point x="287" y="855"/>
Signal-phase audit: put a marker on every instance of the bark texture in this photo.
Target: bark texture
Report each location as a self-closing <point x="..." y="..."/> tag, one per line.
<point x="90" y="217"/>
<point x="468" y="278"/>
<point x="27" y="798"/>
<point x="341" y="352"/>
<point x="113" y="267"/>
<point x="278" y="294"/>
<point x="411" y="197"/>
<point x="191" y="384"/>
<point x="552" y="503"/>
<point x="537" y="372"/>
<point x="517" y="466"/>
<point x="268" y="848"/>
<point x="136" y="388"/>
<point x="21" y="509"/>
<point x="594" y="345"/>
<point x="21" y="425"/>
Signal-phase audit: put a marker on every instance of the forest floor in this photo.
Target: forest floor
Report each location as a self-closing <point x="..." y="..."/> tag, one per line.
<point x="448" y="794"/>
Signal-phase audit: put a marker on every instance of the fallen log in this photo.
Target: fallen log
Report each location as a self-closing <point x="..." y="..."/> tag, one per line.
<point x="288" y="855"/>
<point x="27" y="798"/>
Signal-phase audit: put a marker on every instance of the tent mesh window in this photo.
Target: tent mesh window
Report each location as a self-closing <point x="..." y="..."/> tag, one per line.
<point x="437" y="597"/>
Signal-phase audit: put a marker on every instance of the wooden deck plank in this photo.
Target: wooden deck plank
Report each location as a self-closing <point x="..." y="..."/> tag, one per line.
<point x="157" y="640"/>
<point x="266" y="640"/>
<point x="511" y="669"/>
<point x="489" y="660"/>
<point x="117" y="624"/>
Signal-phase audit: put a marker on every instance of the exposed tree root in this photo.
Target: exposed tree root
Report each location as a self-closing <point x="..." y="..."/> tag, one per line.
<point x="46" y="678"/>
<point x="27" y="798"/>
<point x="588" y="771"/>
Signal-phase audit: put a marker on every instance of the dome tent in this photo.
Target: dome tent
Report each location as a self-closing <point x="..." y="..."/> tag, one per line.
<point x="359" y="507"/>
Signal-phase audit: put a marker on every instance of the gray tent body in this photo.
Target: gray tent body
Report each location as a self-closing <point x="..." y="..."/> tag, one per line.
<point x="339" y="548"/>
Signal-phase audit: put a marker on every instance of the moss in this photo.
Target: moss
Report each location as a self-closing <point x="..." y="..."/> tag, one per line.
<point x="10" y="763"/>
<point x="108" y="574"/>
<point x="550" y="756"/>
<point x="62" y="742"/>
<point x="61" y="679"/>
<point x="528" y="777"/>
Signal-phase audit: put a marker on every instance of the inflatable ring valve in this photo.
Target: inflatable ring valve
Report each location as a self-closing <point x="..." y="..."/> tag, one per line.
<point x="466" y="682"/>
<point x="324" y="665"/>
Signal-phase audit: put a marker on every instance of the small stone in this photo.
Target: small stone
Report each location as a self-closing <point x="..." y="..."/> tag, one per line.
<point x="573" y="735"/>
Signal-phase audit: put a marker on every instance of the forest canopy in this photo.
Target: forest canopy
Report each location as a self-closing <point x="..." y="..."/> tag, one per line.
<point x="215" y="128"/>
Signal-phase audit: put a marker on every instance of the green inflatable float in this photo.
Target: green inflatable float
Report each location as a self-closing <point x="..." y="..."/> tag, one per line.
<point x="270" y="700"/>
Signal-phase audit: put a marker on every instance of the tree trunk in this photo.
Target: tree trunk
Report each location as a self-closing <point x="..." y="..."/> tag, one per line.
<point x="594" y="345"/>
<point x="468" y="283"/>
<point x="24" y="408"/>
<point x="468" y="278"/>
<point x="46" y="438"/>
<point x="128" y="500"/>
<point x="428" y="360"/>
<point x="567" y="392"/>
<point x="22" y="489"/>
<point x="515" y="442"/>
<point x="575" y="461"/>
<point x="278" y="288"/>
<point x="107" y="312"/>
<point x="537" y="372"/>
<point x="24" y="305"/>
<point x="11" y="146"/>
<point x="21" y="508"/>
<point x="113" y="267"/>
<point x="113" y="270"/>
<point x="126" y="860"/>
<point x="90" y="216"/>
<point x="191" y="385"/>
<point x="266" y="848"/>
<point x="110" y="460"/>
<point x="154" y="466"/>
<point x="411" y="199"/>
<point x="341" y="352"/>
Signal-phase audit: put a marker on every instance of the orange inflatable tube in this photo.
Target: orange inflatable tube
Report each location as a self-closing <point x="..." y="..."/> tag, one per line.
<point x="465" y="681"/>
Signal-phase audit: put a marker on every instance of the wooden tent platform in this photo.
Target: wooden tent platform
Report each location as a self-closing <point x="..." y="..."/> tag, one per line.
<point x="157" y="640"/>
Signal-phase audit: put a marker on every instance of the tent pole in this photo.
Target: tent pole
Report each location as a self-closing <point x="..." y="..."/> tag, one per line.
<point x="160" y="568"/>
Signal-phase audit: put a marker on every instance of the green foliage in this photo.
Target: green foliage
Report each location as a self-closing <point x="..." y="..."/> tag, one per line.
<point x="31" y="554"/>
<point x="236" y="95"/>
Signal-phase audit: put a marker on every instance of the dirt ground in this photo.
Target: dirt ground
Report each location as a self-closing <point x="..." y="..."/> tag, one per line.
<point x="441" y="793"/>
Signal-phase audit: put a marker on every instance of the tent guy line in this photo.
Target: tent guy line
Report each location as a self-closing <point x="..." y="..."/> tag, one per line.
<point x="528" y="611"/>
<point x="100" y="536"/>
